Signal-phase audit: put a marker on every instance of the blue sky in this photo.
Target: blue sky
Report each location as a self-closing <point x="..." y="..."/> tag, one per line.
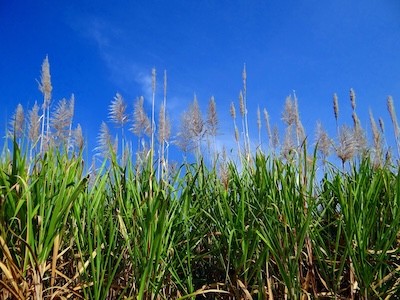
<point x="99" y="48"/>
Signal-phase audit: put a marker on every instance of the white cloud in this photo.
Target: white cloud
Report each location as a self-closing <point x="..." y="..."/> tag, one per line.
<point x="144" y="80"/>
<point x="96" y="30"/>
<point x="125" y="72"/>
<point x="110" y="41"/>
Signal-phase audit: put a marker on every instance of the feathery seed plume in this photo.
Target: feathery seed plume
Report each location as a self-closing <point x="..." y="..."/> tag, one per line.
<point x="289" y="112"/>
<point x="376" y="137"/>
<point x="34" y="124"/>
<point x="391" y="109"/>
<point x="347" y="145"/>
<point x="45" y="82"/>
<point x="275" y="137"/>
<point x="267" y="124"/>
<point x="233" y="110"/>
<point x="353" y="99"/>
<point x="356" y="120"/>
<point x="197" y="124"/>
<point x="381" y="125"/>
<point x="141" y="122"/>
<point x="323" y="140"/>
<point x="192" y="129"/>
<point x="223" y="170"/>
<point x="46" y="89"/>
<point x="296" y="109"/>
<point x="244" y="77"/>
<point x="71" y="106"/>
<point x="236" y="134"/>
<point x="163" y="134"/>
<point x="335" y="106"/>
<point x="78" y="138"/>
<point x="153" y="79"/>
<point x="117" y="111"/>
<point x="359" y="134"/>
<point x="300" y="134"/>
<point x="242" y="104"/>
<point x="393" y="117"/>
<point x="164" y="130"/>
<point x="61" y="120"/>
<point x="163" y="116"/>
<point x="243" y="110"/>
<point x="212" y="118"/>
<point x="288" y="144"/>
<point x="153" y="122"/>
<point x="104" y="141"/>
<point x="17" y="122"/>
<point x="184" y="139"/>
<point x="392" y="113"/>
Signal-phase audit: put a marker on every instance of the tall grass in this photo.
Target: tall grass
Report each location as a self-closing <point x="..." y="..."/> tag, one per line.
<point x="273" y="226"/>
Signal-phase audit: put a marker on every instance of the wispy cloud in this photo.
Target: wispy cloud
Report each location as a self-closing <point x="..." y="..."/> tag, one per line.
<point x="97" y="31"/>
<point x="144" y="80"/>
<point x="111" y="42"/>
<point x="133" y="78"/>
<point x="125" y="71"/>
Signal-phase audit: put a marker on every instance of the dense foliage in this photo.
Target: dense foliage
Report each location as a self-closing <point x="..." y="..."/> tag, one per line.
<point x="272" y="230"/>
<point x="283" y="225"/>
